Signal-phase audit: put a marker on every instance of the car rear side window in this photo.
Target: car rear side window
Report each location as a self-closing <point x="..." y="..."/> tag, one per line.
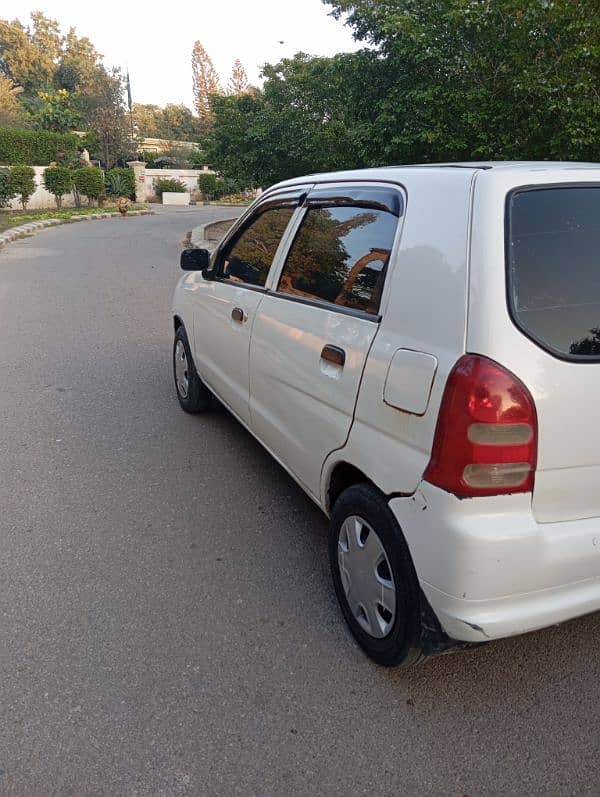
<point x="553" y="244"/>
<point x="340" y="255"/>
<point x="249" y="257"/>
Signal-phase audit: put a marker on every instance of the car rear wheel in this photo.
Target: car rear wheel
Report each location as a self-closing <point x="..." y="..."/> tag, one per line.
<point x="193" y="395"/>
<point x="374" y="578"/>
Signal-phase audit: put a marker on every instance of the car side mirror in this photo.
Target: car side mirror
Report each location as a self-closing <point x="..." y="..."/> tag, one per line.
<point x="195" y="259"/>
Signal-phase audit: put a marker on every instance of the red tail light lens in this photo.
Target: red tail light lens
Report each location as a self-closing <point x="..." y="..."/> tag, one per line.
<point x="486" y="436"/>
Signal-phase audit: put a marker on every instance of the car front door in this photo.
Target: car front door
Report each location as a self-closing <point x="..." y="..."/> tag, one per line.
<point x="313" y="330"/>
<point x="225" y="305"/>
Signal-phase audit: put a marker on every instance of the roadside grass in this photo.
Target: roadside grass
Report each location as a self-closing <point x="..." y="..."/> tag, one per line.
<point x="13" y="218"/>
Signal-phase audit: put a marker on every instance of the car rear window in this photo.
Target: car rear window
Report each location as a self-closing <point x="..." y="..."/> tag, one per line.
<point x="553" y="246"/>
<point x="340" y="255"/>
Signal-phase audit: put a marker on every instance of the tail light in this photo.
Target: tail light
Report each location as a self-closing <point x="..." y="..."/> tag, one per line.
<point x="486" y="435"/>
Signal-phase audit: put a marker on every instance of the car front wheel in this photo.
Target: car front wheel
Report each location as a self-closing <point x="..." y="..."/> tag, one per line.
<point x="193" y="395"/>
<point x="374" y="578"/>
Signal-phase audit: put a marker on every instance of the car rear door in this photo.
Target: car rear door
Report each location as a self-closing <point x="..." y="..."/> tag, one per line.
<point x="534" y="308"/>
<point x="554" y="300"/>
<point x="314" y="328"/>
<point x="225" y="305"/>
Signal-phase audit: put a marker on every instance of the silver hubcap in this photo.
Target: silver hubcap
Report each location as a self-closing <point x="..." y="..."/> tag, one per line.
<point x="181" y="370"/>
<point x="366" y="577"/>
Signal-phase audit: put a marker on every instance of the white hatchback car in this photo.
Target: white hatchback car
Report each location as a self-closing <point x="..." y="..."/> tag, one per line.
<point x="420" y="348"/>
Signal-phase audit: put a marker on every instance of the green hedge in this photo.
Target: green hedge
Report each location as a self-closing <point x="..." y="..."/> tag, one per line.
<point x="168" y="184"/>
<point x="35" y="147"/>
<point x="89" y="182"/>
<point x="59" y="181"/>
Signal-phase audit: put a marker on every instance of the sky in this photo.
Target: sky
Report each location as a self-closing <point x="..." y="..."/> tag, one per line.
<point x="155" y="41"/>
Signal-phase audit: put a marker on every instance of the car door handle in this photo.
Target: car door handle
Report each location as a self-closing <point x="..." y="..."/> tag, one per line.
<point x="238" y="315"/>
<point x="334" y="354"/>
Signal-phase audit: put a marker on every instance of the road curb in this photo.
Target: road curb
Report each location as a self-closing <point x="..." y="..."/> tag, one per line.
<point x="198" y="236"/>
<point x="23" y="230"/>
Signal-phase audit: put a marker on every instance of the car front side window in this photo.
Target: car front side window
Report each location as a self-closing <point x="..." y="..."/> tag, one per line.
<point x="248" y="258"/>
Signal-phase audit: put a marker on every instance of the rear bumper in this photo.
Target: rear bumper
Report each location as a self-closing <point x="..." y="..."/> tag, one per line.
<point x="489" y="570"/>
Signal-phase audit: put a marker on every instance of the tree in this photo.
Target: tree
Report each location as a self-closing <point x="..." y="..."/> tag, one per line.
<point x="58" y="180"/>
<point x="238" y="83"/>
<point x="7" y="193"/>
<point x="178" y="123"/>
<point x="484" y="79"/>
<point x="105" y="108"/>
<point x="62" y="77"/>
<point x="206" y="82"/>
<point x="29" y="55"/>
<point x="147" y="120"/>
<point x="89" y="182"/>
<point x="11" y="112"/>
<point x="207" y="183"/>
<point x="172" y="123"/>
<point x="57" y="111"/>
<point x="235" y="146"/>
<point x="79" y="62"/>
<point x="22" y="180"/>
<point x="313" y="114"/>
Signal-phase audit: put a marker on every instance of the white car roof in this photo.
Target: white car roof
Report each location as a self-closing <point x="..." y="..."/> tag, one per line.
<point x="400" y="173"/>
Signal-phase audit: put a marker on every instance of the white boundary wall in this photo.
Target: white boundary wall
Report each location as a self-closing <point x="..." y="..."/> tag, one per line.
<point x="41" y="198"/>
<point x="145" y="179"/>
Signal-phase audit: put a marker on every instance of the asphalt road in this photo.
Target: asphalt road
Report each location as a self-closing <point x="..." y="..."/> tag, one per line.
<point x="167" y="623"/>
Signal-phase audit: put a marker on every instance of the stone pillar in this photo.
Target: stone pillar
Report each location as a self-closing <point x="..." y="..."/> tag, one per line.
<point x="141" y="189"/>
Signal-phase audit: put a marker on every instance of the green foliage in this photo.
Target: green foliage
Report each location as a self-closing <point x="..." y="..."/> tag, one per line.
<point x="442" y="81"/>
<point x="58" y="180"/>
<point x="169" y="185"/>
<point x="35" y="147"/>
<point x="22" y="179"/>
<point x="62" y="84"/>
<point x="107" y="118"/>
<point x="6" y="189"/>
<point x="171" y="123"/>
<point x="57" y="111"/>
<point x="314" y="114"/>
<point x="198" y="158"/>
<point x="207" y="183"/>
<point x="121" y="182"/>
<point x="236" y="140"/>
<point x="38" y="58"/>
<point x="503" y="79"/>
<point x="172" y="158"/>
<point x="89" y="182"/>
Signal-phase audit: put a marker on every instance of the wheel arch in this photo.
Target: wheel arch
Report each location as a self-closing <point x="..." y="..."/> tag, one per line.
<point x="338" y="477"/>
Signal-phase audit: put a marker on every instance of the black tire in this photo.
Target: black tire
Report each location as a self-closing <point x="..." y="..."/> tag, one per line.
<point x="198" y="398"/>
<point x="400" y="647"/>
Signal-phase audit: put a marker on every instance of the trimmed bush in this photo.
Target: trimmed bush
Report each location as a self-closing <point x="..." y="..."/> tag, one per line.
<point x="121" y="182"/>
<point x="207" y="183"/>
<point x="6" y="189"/>
<point x="22" y="180"/>
<point x="38" y="147"/>
<point x="170" y="185"/>
<point x="89" y="182"/>
<point x="59" y="181"/>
